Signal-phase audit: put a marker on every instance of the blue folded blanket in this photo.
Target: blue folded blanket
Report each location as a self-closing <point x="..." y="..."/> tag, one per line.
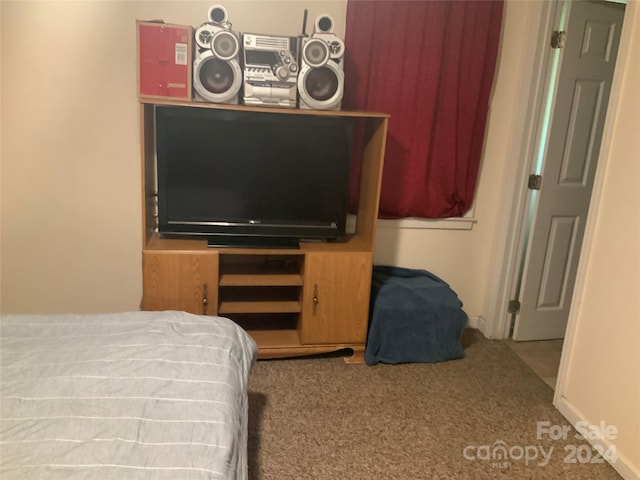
<point x="414" y="317"/>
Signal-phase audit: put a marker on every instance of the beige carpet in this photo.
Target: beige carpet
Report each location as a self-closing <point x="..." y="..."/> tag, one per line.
<point x="319" y="418"/>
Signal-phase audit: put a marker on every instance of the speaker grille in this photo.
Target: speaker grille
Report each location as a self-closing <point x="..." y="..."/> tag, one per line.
<point x="316" y="52"/>
<point x="217" y="14"/>
<point x="321" y="84"/>
<point x="225" y="45"/>
<point x="216" y="76"/>
<point x="325" y="24"/>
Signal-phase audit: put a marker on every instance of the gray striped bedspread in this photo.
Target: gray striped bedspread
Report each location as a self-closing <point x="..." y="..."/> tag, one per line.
<point x="141" y="395"/>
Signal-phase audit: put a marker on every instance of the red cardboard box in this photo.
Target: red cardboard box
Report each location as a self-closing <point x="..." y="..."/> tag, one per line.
<point x="164" y="60"/>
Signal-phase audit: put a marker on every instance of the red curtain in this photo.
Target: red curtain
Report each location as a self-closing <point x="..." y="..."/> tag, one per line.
<point x="430" y="65"/>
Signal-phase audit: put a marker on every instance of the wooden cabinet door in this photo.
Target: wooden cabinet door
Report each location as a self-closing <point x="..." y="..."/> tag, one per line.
<point x="336" y="298"/>
<point x="186" y="281"/>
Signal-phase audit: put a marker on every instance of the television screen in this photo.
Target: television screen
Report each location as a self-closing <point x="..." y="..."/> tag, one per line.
<point x="232" y="175"/>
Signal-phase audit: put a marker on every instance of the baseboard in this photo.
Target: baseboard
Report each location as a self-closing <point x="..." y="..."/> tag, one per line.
<point x="478" y="323"/>
<point x="622" y="464"/>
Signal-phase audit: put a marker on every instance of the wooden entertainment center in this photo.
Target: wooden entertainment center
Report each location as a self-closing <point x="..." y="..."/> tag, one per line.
<point x="314" y="299"/>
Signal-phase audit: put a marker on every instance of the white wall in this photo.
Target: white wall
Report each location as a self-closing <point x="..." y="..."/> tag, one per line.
<point x="71" y="235"/>
<point x="599" y="379"/>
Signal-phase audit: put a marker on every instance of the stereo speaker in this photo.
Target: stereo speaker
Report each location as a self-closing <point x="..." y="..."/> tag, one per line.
<point x="217" y="76"/>
<point x="321" y="78"/>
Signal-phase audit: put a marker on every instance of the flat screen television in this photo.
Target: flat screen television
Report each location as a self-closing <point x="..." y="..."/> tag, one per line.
<point x="254" y="179"/>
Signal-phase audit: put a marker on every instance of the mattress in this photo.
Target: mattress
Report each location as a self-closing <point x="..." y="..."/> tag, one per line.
<point x="141" y="395"/>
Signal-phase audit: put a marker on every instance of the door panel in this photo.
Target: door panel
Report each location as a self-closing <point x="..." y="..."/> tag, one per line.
<point x="577" y="122"/>
<point x="184" y="281"/>
<point x="336" y="298"/>
<point x="553" y="287"/>
<point x="578" y="154"/>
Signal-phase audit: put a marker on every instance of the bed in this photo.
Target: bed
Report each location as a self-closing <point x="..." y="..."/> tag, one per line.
<point x="141" y="395"/>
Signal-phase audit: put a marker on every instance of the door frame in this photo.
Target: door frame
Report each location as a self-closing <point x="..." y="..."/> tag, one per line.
<point x="535" y="85"/>
<point x="524" y="146"/>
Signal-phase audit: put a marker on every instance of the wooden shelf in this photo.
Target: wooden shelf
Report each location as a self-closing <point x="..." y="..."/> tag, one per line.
<point x="238" y="280"/>
<point x="275" y="338"/>
<point x="282" y="111"/>
<point x="260" y="270"/>
<point x="227" y="307"/>
<point x="352" y="244"/>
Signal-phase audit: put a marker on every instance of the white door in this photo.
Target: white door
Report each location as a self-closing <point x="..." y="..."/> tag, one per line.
<point x="584" y="83"/>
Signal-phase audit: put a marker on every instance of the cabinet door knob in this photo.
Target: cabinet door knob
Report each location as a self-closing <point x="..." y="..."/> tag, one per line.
<point x="205" y="301"/>
<point x="315" y="298"/>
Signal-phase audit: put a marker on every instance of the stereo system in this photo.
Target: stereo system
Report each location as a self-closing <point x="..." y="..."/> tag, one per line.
<point x="270" y="70"/>
<point x="304" y="71"/>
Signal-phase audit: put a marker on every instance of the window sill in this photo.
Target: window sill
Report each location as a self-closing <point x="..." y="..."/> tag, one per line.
<point x="457" y="223"/>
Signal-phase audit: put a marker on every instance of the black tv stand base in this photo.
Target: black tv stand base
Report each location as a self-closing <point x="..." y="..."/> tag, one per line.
<point x="248" y="241"/>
